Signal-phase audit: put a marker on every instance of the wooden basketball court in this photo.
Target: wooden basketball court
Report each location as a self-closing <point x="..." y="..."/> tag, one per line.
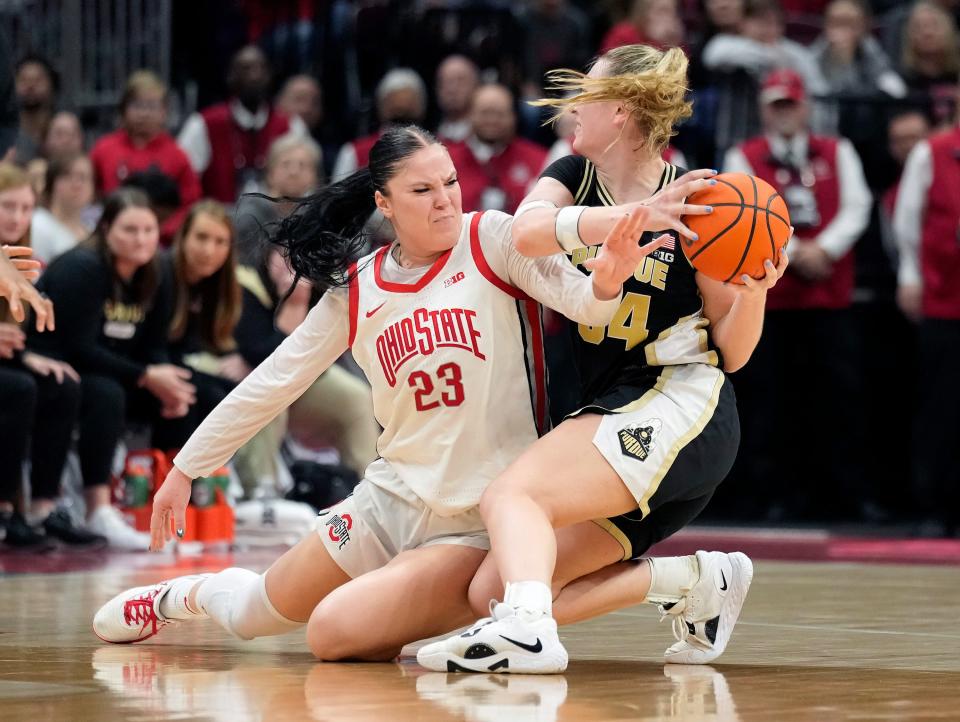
<point x="817" y="642"/>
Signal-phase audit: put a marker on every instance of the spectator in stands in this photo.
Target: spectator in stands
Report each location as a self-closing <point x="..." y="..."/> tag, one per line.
<point x="64" y="136"/>
<point x="761" y="47"/>
<point x="59" y="224"/>
<point x="457" y="78"/>
<point x="206" y="308"/>
<point x="557" y="35"/>
<point x="808" y="337"/>
<point x="112" y="312"/>
<point x="293" y="171"/>
<point x="927" y="229"/>
<point x="39" y="398"/>
<point x="650" y="22"/>
<point x="35" y="85"/>
<point x="494" y="166"/>
<point x="905" y="130"/>
<point x="302" y="97"/>
<point x="227" y="143"/>
<point x="337" y="409"/>
<point x="401" y="98"/>
<point x="850" y="59"/>
<point x="142" y="143"/>
<point x="931" y="58"/>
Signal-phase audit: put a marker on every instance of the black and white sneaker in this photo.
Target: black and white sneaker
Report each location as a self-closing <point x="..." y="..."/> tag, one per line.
<point x="16" y="533"/>
<point x="704" y="618"/>
<point x="510" y="641"/>
<point x="59" y="525"/>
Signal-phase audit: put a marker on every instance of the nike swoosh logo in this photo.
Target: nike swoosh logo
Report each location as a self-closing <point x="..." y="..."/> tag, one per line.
<point x="370" y="313"/>
<point x="529" y="647"/>
<point x="723" y="588"/>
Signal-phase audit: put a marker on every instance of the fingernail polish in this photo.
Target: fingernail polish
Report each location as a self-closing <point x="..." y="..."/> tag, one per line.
<point x="709" y="209"/>
<point x="696" y="237"/>
<point x="712" y="182"/>
<point x="180" y="533"/>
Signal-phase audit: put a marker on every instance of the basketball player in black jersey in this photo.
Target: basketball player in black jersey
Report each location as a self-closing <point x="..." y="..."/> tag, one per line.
<point x="658" y="429"/>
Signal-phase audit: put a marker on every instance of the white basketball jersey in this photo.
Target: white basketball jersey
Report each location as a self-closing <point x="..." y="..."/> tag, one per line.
<point x="456" y="364"/>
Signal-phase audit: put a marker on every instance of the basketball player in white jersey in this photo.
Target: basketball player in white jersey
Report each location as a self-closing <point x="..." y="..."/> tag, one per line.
<point x="658" y="428"/>
<point x="445" y="325"/>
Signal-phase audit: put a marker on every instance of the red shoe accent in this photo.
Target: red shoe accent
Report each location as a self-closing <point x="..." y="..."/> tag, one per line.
<point x="140" y="610"/>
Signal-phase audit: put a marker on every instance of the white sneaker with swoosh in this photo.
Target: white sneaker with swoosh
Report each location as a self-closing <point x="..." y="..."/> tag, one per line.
<point x="509" y="641"/>
<point x="703" y="620"/>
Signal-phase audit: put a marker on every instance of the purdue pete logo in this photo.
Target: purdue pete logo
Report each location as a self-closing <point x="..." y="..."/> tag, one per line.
<point x="636" y="440"/>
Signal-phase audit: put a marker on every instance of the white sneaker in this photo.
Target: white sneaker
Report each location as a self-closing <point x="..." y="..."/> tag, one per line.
<point x="132" y="616"/>
<point x="107" y="521"/>
<point x="510" y="640"/>
<point x="704" y="618"/>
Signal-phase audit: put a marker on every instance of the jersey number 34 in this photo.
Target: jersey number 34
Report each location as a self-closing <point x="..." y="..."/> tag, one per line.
<point x="629" y="323"/>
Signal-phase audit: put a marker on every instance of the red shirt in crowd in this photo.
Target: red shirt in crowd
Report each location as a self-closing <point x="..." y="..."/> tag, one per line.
<point x="503" y="180"/>
<point x="116" y="157"/>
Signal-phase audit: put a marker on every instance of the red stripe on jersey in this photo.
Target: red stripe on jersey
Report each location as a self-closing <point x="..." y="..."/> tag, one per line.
<point x="354" y="289"/>
<point x="478" y="258"/>
<point x="539" y="365"/>
<point x="406" y="287"/>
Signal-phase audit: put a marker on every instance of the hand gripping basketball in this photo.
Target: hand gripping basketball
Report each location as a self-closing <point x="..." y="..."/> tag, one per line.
<point x="669" y="206"/>
<point x="749" y="225"/>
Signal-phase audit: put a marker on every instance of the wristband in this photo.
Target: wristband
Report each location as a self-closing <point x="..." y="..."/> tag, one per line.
<point x="567" y="223"/>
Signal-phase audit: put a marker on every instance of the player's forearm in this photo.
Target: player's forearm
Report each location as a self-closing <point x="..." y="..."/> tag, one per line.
<point x="738" y="332"/>
<point x="534" y="233"/>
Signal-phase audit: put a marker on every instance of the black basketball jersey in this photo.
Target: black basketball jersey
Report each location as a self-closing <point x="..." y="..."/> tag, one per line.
<point x="659" y="322"/>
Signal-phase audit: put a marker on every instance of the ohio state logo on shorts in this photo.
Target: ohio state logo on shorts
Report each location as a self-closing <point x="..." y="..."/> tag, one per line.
<point x="340" y="526"/>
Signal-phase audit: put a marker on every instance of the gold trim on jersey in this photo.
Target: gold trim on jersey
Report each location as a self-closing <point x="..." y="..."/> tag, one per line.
<point x="590" y="174"/>
<point x="696" y="429"/>
<point x="585" y="182"/>
<point x="699" y="335"/>
<point x="614" y="531"/>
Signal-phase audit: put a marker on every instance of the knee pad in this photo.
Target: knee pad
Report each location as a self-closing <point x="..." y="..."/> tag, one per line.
<point x="236" y="599"/>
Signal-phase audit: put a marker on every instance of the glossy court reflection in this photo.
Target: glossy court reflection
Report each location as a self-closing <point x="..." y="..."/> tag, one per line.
<point x="818" y="643"/>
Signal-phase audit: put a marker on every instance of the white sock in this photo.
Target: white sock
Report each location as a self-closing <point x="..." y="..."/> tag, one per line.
<point x="671" y="578"/>
<point x="533" y="597"/>
<point x="174" y="603"/>
<point x="237" y="600"/>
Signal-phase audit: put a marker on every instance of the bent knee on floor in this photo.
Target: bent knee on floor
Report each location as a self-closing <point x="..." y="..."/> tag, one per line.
<point x="336" y="636"/>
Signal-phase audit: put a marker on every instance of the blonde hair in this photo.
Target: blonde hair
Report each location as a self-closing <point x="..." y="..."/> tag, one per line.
<point x="650" y="83"/>
<point x="141" y="81"/>
<point x="951" y="52"/>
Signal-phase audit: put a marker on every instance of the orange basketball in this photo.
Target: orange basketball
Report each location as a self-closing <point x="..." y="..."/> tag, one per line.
<point x="749" y="224"/>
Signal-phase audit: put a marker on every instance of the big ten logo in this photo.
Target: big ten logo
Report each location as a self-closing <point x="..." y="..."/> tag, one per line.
<point x="340" y="526"/>
<point x="456" y="278"/>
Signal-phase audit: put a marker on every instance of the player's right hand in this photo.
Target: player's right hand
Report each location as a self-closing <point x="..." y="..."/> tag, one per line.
<point x="169" y="504"/>
<point x="668" y="206"/>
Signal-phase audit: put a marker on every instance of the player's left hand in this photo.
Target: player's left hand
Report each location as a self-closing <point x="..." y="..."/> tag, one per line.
<point x="757" y="287"/>
<point x="621" y="253"/>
